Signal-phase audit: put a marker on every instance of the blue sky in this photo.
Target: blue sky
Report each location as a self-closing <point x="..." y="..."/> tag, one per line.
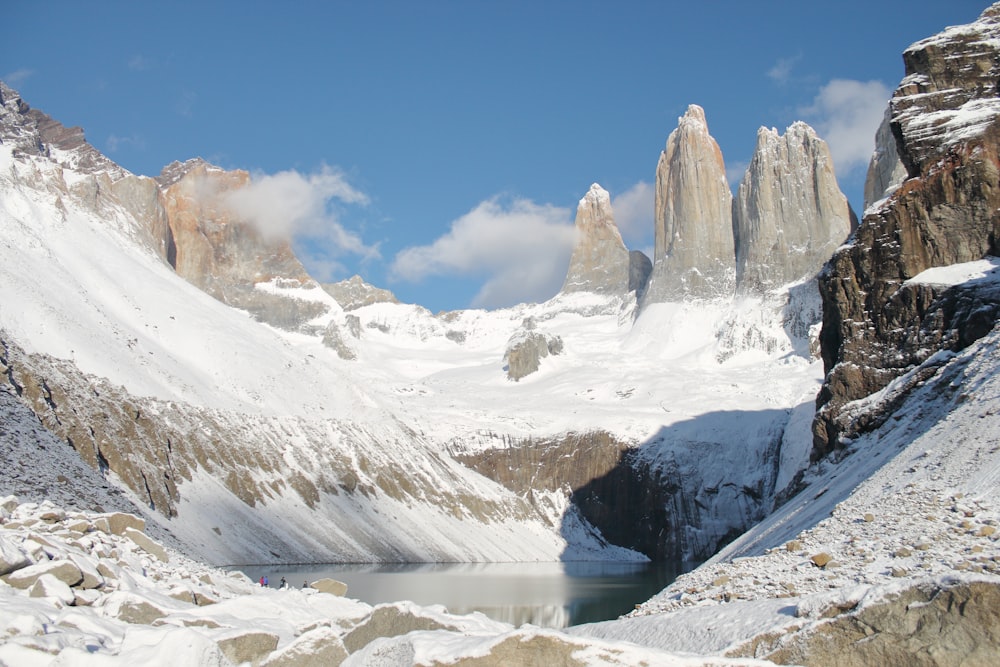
<point x="439" y="148"/>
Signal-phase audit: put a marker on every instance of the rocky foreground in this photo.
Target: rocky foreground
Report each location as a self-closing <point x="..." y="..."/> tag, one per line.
<point x="82" y="588"/>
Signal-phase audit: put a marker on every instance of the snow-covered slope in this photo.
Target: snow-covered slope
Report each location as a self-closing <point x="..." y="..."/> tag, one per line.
<point x="915" y="501"/>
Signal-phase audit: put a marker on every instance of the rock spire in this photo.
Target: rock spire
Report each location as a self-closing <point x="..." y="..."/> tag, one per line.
<point x="600" y="261"/>
<point x="789" y="215"/>
<point x="694" y="233"/>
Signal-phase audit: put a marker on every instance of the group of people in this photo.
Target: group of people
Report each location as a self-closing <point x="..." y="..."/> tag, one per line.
<point x="281" y="584"/>
<point x="264" y="582"/>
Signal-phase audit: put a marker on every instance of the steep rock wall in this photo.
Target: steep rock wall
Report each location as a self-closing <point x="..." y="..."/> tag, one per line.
<point x="946" y="122"/>
<point x="694" y="250"/>
<point x="789" y="215"/>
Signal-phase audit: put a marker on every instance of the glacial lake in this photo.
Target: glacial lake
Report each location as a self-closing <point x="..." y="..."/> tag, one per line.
<point x="553" y="595"/>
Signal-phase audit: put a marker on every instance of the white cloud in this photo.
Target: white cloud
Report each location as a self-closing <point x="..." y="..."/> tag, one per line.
<point x="846" y="114"/>
<point x="633" y="211"/>
<point x="303" y="207"/>
<point x="522" y="249"/>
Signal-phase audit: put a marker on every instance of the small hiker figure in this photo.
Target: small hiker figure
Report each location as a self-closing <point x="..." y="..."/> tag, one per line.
<point x="262" y="581"/>
<point x="283" y="584"/>
<point x="266" y="583"/>
<point x="305" y="585"/>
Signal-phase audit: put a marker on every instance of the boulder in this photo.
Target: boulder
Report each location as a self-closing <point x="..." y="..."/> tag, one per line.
<point x="64" y="570"/>
<point x="147" y="544"/>
<point x="242" y="646"/>
<point x="119" y="521"/>
<point x="927" y="624"/>
<point x="525" y="351"/>
<point x="320" y="647"/>
<point x="47" y="586"/>
<point x="92" y="578"/>
<point x="331" y="586"/>
<point x="12" y="556"/>
<point x="389" y="620"/>
<point x="134" y="608"/>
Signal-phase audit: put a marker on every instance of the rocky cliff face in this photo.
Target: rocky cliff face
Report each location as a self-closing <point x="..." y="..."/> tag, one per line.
<point x="225" y="256"/>
<point x="945" y="117"/>
<point x="789" y="215"/>
<point x="694" y="233"/>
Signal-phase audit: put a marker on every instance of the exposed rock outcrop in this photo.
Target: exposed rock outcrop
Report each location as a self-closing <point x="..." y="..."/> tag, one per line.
<point x="694" y="248"/>
<point x="32" y="132"/>
<point x="876" y="325"/>
<point x="789" y="215"/>
<point x="885" y="170"/>
<point x="355" y="293"/>
<point x="224" y="255"/>
<point x="926" y="624"/>
<point x="600" y="261"/>
<point x="170" y="443"/>
<point x="667" y="505"/>
<point x="526" y="348"/>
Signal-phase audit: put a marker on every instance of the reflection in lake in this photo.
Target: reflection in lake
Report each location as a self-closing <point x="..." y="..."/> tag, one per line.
<point x="551" y="595"/>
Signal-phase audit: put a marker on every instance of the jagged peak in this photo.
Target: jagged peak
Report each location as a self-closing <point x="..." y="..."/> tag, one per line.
<point x="177" y="170"/>
<point x="694" y="115"/>
<point x="799" y="130"/>
<point x="596" y="195"/>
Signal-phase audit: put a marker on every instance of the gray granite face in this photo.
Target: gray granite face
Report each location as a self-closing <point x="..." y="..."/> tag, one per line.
<point x="789" y="215"/>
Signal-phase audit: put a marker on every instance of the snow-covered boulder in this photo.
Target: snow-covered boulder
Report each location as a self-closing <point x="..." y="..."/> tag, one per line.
<point x="12" y="556"/>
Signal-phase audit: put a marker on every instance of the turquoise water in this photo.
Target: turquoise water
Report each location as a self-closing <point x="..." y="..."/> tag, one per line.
<point x="553" y="595"/>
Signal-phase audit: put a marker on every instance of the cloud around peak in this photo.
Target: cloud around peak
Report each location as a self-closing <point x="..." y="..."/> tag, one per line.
<point x="305" y="209"/>
<point x="520" y="248"/>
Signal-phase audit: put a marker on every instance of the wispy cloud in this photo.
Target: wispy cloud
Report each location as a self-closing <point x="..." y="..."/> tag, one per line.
<point x="18" y="76"/>
<point x="115" y="142"/>
<point x="521" y="248"/>
<point x="184" y="105"/>
<point x="633" y="211"/>
<point x="846" y="114"/>
<point x="304" y="208"/>
<point x="781" y="72"/>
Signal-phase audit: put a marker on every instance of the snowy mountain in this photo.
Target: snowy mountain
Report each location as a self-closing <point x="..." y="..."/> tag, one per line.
<point x="263" y="420"/>
<point x="269" y="423"/>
